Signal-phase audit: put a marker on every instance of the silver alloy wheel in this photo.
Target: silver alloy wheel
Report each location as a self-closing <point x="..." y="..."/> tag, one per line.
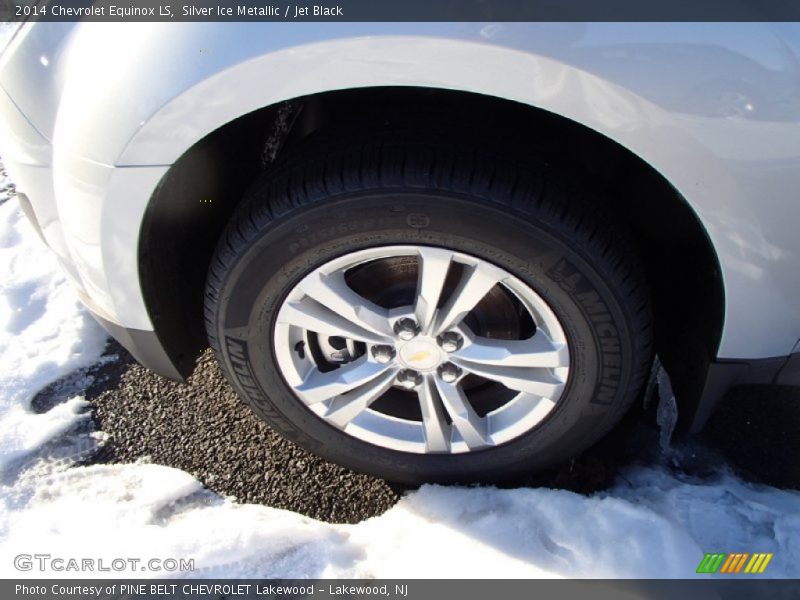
<point x="425" y="350"/>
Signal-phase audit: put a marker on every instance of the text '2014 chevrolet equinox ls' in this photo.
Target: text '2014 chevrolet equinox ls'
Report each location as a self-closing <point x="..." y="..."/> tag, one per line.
<point x="439" y="252"/>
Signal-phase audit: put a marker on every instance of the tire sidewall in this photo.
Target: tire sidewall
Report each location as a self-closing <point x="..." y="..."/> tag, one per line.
<point x="528" y="245"/>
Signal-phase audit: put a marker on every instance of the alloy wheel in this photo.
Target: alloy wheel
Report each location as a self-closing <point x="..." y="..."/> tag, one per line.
<point x="421" y="349"/>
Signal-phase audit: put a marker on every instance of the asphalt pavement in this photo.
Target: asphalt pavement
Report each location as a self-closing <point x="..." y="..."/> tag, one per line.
<point x="202" y="427"/>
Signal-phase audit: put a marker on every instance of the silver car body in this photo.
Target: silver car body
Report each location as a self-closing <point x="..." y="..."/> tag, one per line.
<point x="93" y="115"/>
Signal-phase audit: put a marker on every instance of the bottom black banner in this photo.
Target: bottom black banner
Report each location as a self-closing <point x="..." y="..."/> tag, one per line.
<point x="232" y="589"/>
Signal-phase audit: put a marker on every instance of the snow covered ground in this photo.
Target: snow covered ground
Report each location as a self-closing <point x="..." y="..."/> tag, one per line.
<point x="652" y="523"/>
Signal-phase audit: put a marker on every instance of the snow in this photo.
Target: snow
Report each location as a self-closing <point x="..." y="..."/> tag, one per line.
<point x="654" y="522"/>
<point x="44" y="334"/>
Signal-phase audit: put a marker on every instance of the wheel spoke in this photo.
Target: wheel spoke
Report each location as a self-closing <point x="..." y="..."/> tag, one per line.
<point x="426" y="346"/>
<point x="475" y="283"/>
<point x="333" y="292"/>
<point x="347" y="407"/>
<point x="435" y="427"/>
<point x="533" y="380"/>
<point x="319" y="386"/>
<point x="313" y="316"/>
<point x="466" y="421"/>
<point x="433" y="266"/>
<point x="536" y="351"/>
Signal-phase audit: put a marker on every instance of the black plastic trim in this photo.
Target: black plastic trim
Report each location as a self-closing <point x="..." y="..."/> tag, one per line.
<point x="145" y="347"/>
<point x="723" y="375"/>
<point x="790" y="373"/>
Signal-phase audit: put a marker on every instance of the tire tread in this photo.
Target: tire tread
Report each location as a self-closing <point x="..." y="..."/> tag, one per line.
<point x="529" y="187"/>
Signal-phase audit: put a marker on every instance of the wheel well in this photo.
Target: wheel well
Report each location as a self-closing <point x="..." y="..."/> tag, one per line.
<point x="195" y="199"/>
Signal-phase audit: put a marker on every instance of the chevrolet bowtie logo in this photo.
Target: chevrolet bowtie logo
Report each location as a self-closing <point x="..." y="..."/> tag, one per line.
<point x="417" y="356"/>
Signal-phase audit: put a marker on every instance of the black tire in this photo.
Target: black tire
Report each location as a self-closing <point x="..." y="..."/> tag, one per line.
<point x="328" y="199"/>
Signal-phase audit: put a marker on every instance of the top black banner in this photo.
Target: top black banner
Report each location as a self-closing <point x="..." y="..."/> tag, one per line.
<point x="401" y="10"/>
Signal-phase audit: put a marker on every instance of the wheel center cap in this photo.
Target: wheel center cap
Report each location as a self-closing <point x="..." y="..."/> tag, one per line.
<point x="420" y="354"/>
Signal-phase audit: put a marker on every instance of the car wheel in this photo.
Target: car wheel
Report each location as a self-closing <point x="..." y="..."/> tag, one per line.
<point x="423" y="312"/>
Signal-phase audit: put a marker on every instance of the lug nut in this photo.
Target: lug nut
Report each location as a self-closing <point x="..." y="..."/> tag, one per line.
<point x="409" y="379"/>
<point x="450" y="341"/>
<point x="406" y="329"/>
<point x="449" y="372"/>
<point x="383" y="354"/>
